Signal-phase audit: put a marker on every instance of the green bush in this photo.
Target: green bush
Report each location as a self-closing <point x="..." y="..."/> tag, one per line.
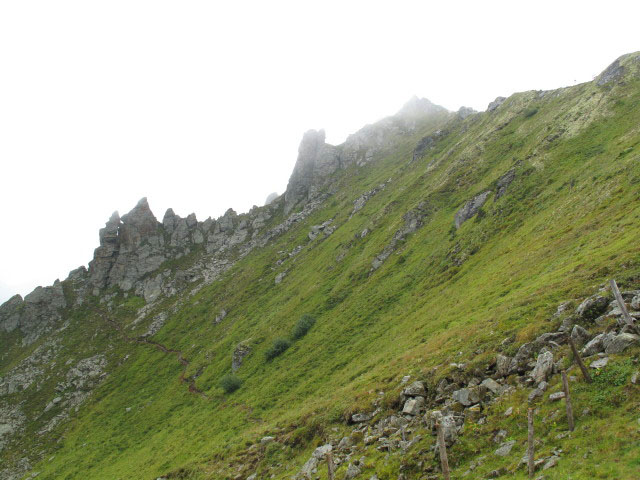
<point x="230" y="383"/>
<point x="303" y="326"/>
<point x="278" y="348"/>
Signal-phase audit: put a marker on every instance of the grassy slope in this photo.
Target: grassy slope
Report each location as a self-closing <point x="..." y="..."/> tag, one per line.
<point x="569" y="221"/>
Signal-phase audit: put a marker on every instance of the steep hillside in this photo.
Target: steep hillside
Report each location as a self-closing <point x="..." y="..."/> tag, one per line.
<point x="432" y="245"/>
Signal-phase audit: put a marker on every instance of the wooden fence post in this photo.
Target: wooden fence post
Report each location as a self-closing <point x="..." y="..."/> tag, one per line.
<point x="625" y="313"/>
<point x="444" y="461"/>
<point x="567" y="400"/>
<point x="330" y="466"/>
<point x="576" y="355"/>
<point x="530" y="447"/>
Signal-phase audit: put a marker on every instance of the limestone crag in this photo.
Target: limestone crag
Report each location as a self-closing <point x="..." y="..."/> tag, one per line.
<point x="316" y="161"/>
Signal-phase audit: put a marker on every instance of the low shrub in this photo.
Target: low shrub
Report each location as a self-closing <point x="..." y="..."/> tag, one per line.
<point x="230" y="383"/>
<point x="303" y="326"/>
<point x="278" y="348"/>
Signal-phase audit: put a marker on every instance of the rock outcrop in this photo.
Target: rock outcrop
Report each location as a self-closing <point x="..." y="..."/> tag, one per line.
<point x="471" y="208"/>
<point x="34" y="315"/>
<point x="317" y="160"/>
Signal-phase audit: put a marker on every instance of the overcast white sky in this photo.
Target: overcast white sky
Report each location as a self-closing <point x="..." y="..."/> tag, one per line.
<point x="200" y="105"/>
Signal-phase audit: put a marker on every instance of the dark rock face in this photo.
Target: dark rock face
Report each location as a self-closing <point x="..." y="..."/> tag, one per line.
<point x="504" y="181"/>
<point x="495" y="104"/>
<point x="139" y="249"/>
<point x="105" y="255"/>
<point x="471" y="208"/>
<point x="427" y="143"/>
<point x="316" y="161"/>
<point x="34" y="315"/>
<point x="611" y="73"/>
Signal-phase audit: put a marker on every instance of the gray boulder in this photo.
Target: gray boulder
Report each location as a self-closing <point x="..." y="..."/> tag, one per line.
<point x="467" y="396"/>
<point x="413" y="406"/>
<point x="416" y="389"/>
<point x="242" y="350"/>
<point x="502" y="365"/>
<point x="543" y="368"/>
<point x="619" y="343"/>
<point x="352" y="471"/>
<point x="592" y="307"/>
<point x="556" y="396"/>
<point x="361" y="417"/>
<point x="596" y="345"/>
<point x="492" y="385"/>
<point x="600" y="363"/>
<point x="505" y="448"/>
<point x="579" y="335"/>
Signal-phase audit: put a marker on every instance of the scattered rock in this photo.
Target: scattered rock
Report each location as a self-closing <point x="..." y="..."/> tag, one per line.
<point x="413" y="406"/>
<point x="242" y="350"/>
<point x="596" y="345"/>
<point x="492" y="385"/>
<point x="466" y="396"/>
<point x="579" y="335"/>
<point x="592" y="307"/>
<point x="543" y="368"/>
<point x="556" y="396"/>
<point x="505" y="448"/>
<point x="416" y="389"/>
<point x="221" y="316"/>
<point x="600" y="363"/>
<point x="352" y="471"/>
<point x="551" y="462"/>
<point x="361" y="417"/>
<point x="620" y="342"/>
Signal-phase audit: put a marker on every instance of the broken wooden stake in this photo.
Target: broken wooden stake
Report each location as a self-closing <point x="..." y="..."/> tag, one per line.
<point x="567" y="400"/>
<point x="444" y="461"/>
<point x="576" y="355"/>
<point x="625" y="313"/>
<point x="330" y="466"/>
<point x="530" y="448"/>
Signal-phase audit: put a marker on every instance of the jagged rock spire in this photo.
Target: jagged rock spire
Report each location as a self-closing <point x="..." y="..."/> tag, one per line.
<point x="316" y="161"/>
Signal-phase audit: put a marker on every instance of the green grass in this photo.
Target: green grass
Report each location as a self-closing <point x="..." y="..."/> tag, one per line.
<point x="568" y="222"/>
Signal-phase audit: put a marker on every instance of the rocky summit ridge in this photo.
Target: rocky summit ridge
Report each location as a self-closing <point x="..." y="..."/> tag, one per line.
<point x="136" y="245"/>
<point x="432" y="269"/>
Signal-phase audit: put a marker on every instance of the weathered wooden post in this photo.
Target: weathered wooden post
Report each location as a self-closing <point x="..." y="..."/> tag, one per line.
<point x="567" y="400"/>
<point x="625" y="313"/>
<point x="444" y="461"/>
<point x="330" y="466"/>
<point x="576" y="355"/>
<point x="530" y="447"/>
